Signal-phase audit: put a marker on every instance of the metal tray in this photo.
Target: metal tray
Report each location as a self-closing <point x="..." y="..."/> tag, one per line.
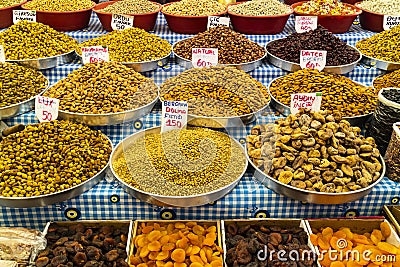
<point x="392" y="213"/>
<point x="380" y="64"/>
<point x="161" y="200"/>
<point x="46" y="62"/>
<point x="292" y="66"/>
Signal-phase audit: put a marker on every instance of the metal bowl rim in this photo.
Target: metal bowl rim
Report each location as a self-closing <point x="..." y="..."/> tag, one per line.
<point x="128" y="14"/>
<point x="379" y="60"/>
<point x="138" y="62"/>
<point x="40" y="59"/>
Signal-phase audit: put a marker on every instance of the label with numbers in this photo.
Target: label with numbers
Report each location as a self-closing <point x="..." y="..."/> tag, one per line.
<point x="2" y="54"/>
<point x="93" y="54"/>
<point x="29" y="15"/>
<point x="121" y="22"/>
<point x="46" y="108"/>
<point x="204" y="57"/>
<point x="305" y="23"/>
<point x="313" y="59"/>
<point x="310" y="101"/>
<point x="214" y="21"/>
<point x="174" y="115"/>
<point x="390" y="22"/>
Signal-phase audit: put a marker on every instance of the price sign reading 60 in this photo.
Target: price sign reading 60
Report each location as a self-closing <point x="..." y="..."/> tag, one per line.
<point x="204" y="57"/>
<point x="313" y="59"/>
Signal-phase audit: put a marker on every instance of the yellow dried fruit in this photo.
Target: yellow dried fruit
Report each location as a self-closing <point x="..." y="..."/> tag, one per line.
<point x="154" y="235"/>
<point x="178" y="255"/>
<point x="385" y="229"/>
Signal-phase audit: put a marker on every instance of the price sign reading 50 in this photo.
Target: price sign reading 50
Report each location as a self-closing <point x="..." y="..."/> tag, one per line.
<point x="204" y="57"/>
<point x="46" y="108"/>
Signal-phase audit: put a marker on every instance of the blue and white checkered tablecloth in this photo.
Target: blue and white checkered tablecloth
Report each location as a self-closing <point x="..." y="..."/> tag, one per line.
<point x="107" y="200"/>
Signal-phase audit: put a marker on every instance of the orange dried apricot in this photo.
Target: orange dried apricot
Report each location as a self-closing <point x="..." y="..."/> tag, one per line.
<point x="386" y="247"/>
<point x="314" y="239"/>
<point x="212" y="235"/>
<point x="180" y="264"/>
<point x="216" y="263"/>
<point x="179" y="225"/>
<point x="198" y="230"/>
<point x="208" y="241"/>
<point x="192" y="236"/>
<point x="340" y="234"/>
<point x="154" y="246"/>
<point x="385" y="229"/>
<point x="142" y="265"/>
<point x="387" y="264"/>
<point x="164" y="240"/>
<point x="352" y="263"/>
<point x="209" y="253"/>
<point x="195" y="250"/>
<point x="154" y="235"/>
<point x="337" y="264"/>
<point x="178" y="255"/>
<point x="191" y="224"/>
<point x="203" y="256"/>
<point x="327" y="232"/>
<point x="163" y="255"/>
<point x="144" y="251"/>
<point x="169" y="264"/>
<point x="156" y="226"/>
<point x="153" y="255"/>
<point x="168" y="247"/>
<point x="196" y="264"/>
<point x="376" y="236"/>
<point x="211" y="229"/>
<point x="323" y="244"/>
<point x="347" y="231"/>
<point x="135" y="260"/>
<point x="182" y="243"/>
<point x="147" y="229"/>
<point x="196" y="258"/>
<point x="160" y="263"/>
<point x="326" y="261"/>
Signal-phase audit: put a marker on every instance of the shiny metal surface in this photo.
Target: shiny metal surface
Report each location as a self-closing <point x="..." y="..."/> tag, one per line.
<point x="160" y="200"/>
<point x="380" y="64"/>
<point x="47" y="62"/>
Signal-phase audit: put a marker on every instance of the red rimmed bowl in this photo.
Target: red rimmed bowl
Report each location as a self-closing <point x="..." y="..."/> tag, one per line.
<point x="291" y="2"/>
<point x="6" y="14"/>
<point x="65" y="21"/>
<point x="188" y="24"/>
<point x="369" y="20"/>
<point x="333" y="23"/>
<point x="145" y="21"/>
<point x="258" y="24"/>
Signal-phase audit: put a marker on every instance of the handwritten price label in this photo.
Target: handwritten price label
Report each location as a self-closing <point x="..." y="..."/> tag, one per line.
<point x="310" y="101"/>
<point x="46" y="108"/>
<point x="313" y="59"/>
<point x="29" y="15"/>
<point x="93" y="54"/>
<point x="121" y="22"/>
<point x="214" y="21"/>
<point x="305" y="23"/>
<point x="204" y="57"/>
<point x="174" y="115"/>
<point x="390" y="22"/>
<point x="2" y="54"/>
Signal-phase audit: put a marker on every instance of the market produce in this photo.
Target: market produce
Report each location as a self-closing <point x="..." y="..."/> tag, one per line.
<point x="245" y="240"/>
<point x="338" y="52"/>
<point x="392" y="156"/>
<point x="391" y="79"/>
<point x="50" y="157"/>
<point x="101" y="88"/>
<point x="392" y="95"/>
<point x="59" y="5"/>
<point x="260" y="8"/>
<point x="194" y="8"/>
<point x="177" y="244"/>
<point x="325" y="7"/>
<point x="19" y="83"/>
<point x="387" y="7"/>
<point x="83" y="244"/>
<point x="339" y="93"/>
<point x="383" y="45"/>
<point x="7" y="3"/>
<point x="131" y="7"/>
<point x="131" y="45"/>
<point x="315" y="151"/>
<point x="233" y="47"/>
<point x="181" y="163"/>
<point x="32" y="40"/>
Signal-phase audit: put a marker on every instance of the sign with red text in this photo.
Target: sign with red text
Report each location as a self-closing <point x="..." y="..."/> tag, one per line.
<point x="310" y="101"/>
<point x="121" y="22"/>
<point x="313" y="59"/>
<point x="29" y="15"/>
<point x="174" y="115"/>
<point x="2" y="54"/>
<point x="204" y="57"/>
<point x="390" y="22"/>
<point x="93" y="54"/>
<point x="305" y="23"/>
<point x="214" y="21"/>
<point x="46" y="108"/>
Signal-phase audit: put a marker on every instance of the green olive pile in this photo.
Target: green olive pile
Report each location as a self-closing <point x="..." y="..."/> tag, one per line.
<point x="59" y="5"/>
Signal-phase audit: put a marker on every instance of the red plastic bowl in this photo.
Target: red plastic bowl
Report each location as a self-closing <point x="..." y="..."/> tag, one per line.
<point x="144" y="21"/>
<point x="187" y="24"/>
<point x="65" y="21"/>
<point x="291" y="2"/>
<point x="258" y="24"/>
<point x="6" y="15"/>
<point x="333" y="23"/>
<point x="351" y="2"/>
<point x="370" y="20"/>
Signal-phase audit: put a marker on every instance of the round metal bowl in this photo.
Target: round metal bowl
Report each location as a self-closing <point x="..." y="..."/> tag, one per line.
<point x="292" y="66"/>
<point x="380" y="64"/>
<point x="161" y="200"/>
<point x="46" y="62"/>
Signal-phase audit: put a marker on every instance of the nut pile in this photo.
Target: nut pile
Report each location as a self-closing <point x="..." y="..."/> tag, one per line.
<point x="181" y="163"/>
<point x="325" y="7"/>
<point x="32" y="40"/>
<point x="59" y="5"/>
<point x="392" y="156"/>
<point x="216" y="91"/>
<point x="176" y="244"/>
<point x="194" y="8"/>
<point x="7" y="3"/>
<point x="88" y="245"/>
<point x="260" y="8"/>
<point x="391" y="79"/>
<point x="315" y="151"/>
<point x="383" y="46"/>
<point x="245" y="241"/>
<point x="131" y="45"/>
<point x="387" y="7"/>
<point x="131" y="7"/>
<point x="233" y="47"/>
<point x="339" y="93"/>
<point x="50" y="157"/>
<point x="100" y="88"/>
<point x="338" y="52"/>
<point x="19" y="83"/>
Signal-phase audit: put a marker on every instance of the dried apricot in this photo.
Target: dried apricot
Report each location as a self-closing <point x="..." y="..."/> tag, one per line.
<point x="147" y="229"/>
<point x="191" y="224"/>
<point x="144" y="252"/>
<point x="154" y="235"/>
<point x="195" y="250"/>
<point x="211" y="229"/>
<point x="340" y="234"/>
<point x="326" y="261"/>
<point x="314" y="239"/>
<point x="154" y="246"/>
<point x="209" y="253"/>
<point x="386" y="247"/>
<point x="135" y="260"/>
<point x="385" y="229"/>
<point x="352" y="263"/>
<point x="142" y="265"/>
<point x="178" y="255"/>
<point x="212" y="235"/>
<point x="164" y="240"/>
<point x="192" y="236"/>
<point x="160" y="263"/>
<point x="183" y="243"/>
<point x="208" y="241"/>
<point x="169" y="264"/>
<point x="327" y="232"/>
<point x="216" y="263"/>
<point x="203" y="256"/>
<point x="196" y="258"/>
<point x="196" y="264"/>
<point x="347" y="231"/>
<point x="198" y="230"/>
<point x="323" y="244"/>
<point x="376" y="236"/>
<point x="156" y="226"/>
<point x="168" y="247"/>
<point x="163" y="255"/>
<point x="180" y="264"/>
<point x="337" y="264"/>
<point x="141" y="241"/>
<point x="153" y="255"/>
<point x="179" y="225"/>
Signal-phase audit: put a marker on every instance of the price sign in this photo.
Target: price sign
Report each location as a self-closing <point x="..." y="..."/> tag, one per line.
<point x="305" y="23"/>
<point x="204" y="57"/>
<point x="93" y="54"/>
<point x="29" y="15"/>
<point x="390" y="22"/>
<point x="310" y="101"/>
<point x="46" y="108"/>
<point x="2" y="54"/>
<point x="121" y="22"/>
<point x="313" y="59"/>
<point x="174" y="115"/>
<point x="214" y="21"/>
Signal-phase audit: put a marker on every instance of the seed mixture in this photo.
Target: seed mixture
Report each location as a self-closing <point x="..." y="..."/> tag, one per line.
<point x="194" y="8"/>
<point x="260" y="8"/>
<point x="7" y="3"/>
<point x="387" y="7"/>
<point x="59" y="5"/>
<point x="325" y="7"/>
<point x="131" y="7"/>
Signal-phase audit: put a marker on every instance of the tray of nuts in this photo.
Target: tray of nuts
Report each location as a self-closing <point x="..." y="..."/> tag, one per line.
<point x="176" y="243"/>
<point x="86" y="243"/>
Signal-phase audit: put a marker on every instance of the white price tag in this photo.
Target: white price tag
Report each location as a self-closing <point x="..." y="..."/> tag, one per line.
<point x="390" y="22"/>
<point x="2" y="54"/>
<point x="121" y="22"/>
<point x="29" y="15"/>
<point x="310" y="101"/>
<point x="305" y="23"/>
<point x="174" y="115"/>
<point x="92" y="54"/>
<point x="46" y="108"/>
<point x="313" y="59"/>
<point x="214" y="21"/>
<point x="204" y="57"/>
